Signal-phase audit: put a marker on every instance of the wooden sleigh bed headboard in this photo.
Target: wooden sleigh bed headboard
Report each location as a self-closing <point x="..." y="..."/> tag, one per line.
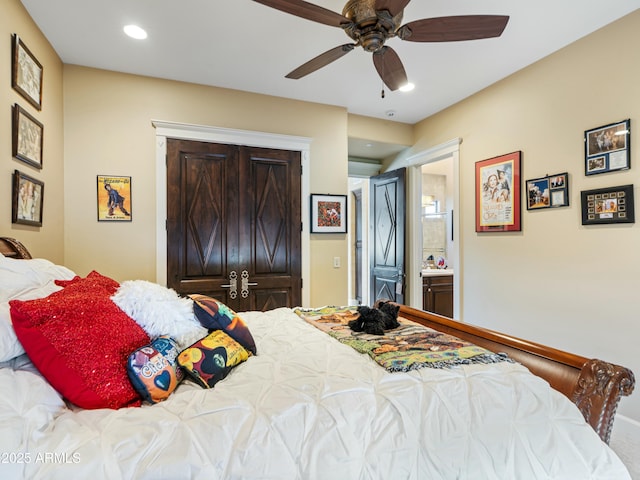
<point x="10" y="247"/>
<point x="595" y="386"/>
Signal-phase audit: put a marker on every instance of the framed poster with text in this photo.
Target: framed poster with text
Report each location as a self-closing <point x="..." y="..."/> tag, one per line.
<point x="498" y="193"/>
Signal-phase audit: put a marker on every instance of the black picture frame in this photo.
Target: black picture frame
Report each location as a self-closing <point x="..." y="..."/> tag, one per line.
<point x="607" y="148"/>
<point x="551" y="191"/>
<point x="27" y="137"/>
<point x="608" y="205"/>
<point x="328" y="213"/>
<point x="26" y="73"/>
<point x="27" y="200"/>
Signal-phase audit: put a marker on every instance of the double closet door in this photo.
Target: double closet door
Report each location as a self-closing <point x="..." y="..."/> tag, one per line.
<point x="234" y="224"/>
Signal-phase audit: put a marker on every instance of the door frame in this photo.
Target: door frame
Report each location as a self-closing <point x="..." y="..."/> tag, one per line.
<point x="204" y="133"/>
<point x="414" y="163"/>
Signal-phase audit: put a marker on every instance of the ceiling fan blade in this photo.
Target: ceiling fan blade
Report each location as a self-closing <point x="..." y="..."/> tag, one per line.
<point x="390" y="68"/>
<point x="307" y="10"/>
<point x="392" y="6"/>
<point x="320" y="61"/>
<point x="453" y="29"/>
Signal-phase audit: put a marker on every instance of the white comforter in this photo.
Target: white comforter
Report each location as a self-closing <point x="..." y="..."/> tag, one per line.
<point x="308" y="407"/>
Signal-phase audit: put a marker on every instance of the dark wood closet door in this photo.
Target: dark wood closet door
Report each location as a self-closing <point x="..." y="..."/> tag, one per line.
<point x="270" y="228"/>
<point x="233" y="224"/>
<point x="387" y="234"/>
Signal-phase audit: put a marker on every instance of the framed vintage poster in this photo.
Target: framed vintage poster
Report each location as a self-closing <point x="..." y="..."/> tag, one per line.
<point x="608" y="205"/>
<point x="114" y="198"/>
<point x="27" y="138"/>
<point x="26" y="73"/>
<point x="27" y="200"/>
<point x="498" y="193"/>
<point x="328" y="213"/>
<point x="607" y="148"/>
<point x="547" y="192"/>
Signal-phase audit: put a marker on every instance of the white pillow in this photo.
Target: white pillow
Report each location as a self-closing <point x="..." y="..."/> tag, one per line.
<point x="160" y="311"/>
<point x="20" y="276"/>
<point x="24" y="280"/>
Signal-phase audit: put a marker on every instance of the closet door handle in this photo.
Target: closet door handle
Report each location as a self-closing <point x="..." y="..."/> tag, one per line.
<point x="246" y="284"/>
<point x="232" y="285"/>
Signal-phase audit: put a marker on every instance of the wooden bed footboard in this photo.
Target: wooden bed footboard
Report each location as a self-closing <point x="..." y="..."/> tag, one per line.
<point x="595" y="386"/>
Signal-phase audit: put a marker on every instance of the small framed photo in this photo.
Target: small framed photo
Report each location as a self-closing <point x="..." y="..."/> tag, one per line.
<point x="498" y="193"/>
<point x="26" y="73"/>
<point x="328" y="213"/>
<point x="608" y="205"/>
<point x="607" y="148"/>
<point x="114" y="198"/>
<point x="27" y="138"/>
<point x="547" y="192"/>
<point x="27" y="200"/>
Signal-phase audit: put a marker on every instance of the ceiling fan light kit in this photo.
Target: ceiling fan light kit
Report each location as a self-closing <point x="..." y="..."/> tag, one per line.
<point x="370" y="23"/>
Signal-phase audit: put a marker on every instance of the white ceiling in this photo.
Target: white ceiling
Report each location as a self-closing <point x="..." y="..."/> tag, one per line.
<point x="245" y="45"/>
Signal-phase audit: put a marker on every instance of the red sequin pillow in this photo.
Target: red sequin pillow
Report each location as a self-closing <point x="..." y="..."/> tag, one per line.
<point x="80" y="341"/>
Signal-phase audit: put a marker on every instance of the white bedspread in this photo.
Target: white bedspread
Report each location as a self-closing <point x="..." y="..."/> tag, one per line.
<point x="308" y="407"/>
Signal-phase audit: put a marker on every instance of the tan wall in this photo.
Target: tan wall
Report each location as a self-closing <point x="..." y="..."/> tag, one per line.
<point x="383" y="131"/>
<point x="556" y="281"/>
<point x="46" y="241"/>
<point x="108" y="131"/>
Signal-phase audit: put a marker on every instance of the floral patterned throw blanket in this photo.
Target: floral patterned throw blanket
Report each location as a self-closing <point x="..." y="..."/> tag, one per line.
<point x="408" y="347"/>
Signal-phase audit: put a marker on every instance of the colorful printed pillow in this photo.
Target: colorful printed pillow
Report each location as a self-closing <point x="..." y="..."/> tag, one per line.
<point x="154" y="371"/>
<point x="215" y="315"/>
<point x="212" y="358"/>
<point x="80" y="341"/>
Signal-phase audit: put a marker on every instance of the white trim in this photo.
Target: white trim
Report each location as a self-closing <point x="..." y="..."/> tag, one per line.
<point x="184" y="131"/>
<point x="414" y="163"/>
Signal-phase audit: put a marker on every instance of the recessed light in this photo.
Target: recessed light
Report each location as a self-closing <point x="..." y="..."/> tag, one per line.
<point x="407" y="87"/>
<point x="135" y="31"/>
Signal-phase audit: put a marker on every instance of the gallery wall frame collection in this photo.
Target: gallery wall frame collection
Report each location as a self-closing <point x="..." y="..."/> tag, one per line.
<point x="607" y="148"/>
<point x="27" y="135"/>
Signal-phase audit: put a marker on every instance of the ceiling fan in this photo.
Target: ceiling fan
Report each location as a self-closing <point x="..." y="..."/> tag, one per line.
<point x="370" y="23"/>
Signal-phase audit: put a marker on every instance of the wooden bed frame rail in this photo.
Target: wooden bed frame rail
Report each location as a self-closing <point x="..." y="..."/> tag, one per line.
<point x="595" y="386"/>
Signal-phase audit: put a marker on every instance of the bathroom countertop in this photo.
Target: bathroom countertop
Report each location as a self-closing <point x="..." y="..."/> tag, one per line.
<point x="432" y="272"/>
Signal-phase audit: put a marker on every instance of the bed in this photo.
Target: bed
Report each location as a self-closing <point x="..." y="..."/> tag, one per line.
<point x="307" y="406"/>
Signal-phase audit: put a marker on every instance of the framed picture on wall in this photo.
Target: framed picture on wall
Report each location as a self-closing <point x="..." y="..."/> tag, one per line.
<point x="27" y="138"/>
<point x="114" y="198"/>
<point x="608" y="205"/>
<point x="607" y="148"/>
<point x="26" y="73"/>
<point x="328" y="213"/>
<point x="27" y="200"/>
<point x="498" y="193"/>
<point x="547" y="192"/>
